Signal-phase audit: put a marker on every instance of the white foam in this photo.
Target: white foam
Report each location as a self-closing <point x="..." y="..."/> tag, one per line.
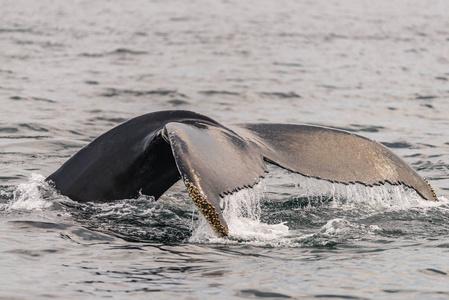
<point x="336" y="226"/>
<point x="335" y="230"/>
<point x="143" y="206"/>
<point x="30" y="195"/>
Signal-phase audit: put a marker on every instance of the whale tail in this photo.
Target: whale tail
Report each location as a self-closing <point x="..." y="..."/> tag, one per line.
<point x="151" y="152"/>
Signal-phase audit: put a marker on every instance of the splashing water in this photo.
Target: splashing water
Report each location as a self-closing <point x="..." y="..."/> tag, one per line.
<point x="308" y="212"/>
<point x="356" y="195"/>
<point x="301" y="218"/>
<point x="242" y="212"/>
<point x="31" y="195"/>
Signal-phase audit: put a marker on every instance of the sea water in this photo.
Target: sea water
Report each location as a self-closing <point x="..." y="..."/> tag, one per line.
<point x="70" y="71"/>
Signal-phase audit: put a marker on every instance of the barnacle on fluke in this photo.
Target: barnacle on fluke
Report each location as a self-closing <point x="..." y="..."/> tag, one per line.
<point x="431" y="188"/>
<point x="207" y="209"/>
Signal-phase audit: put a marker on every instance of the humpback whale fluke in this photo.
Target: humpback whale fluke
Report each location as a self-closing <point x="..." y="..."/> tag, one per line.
<point x="148" y="154"/>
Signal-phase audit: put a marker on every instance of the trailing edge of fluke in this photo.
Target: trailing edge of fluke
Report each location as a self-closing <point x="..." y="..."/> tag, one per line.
<point x="149" y="153"/>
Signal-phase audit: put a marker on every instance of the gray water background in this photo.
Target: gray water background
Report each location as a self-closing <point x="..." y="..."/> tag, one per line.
<point x="70" y="70"/>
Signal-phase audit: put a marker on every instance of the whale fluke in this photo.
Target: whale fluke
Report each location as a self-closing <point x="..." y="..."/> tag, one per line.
<point x="148" y="154"/>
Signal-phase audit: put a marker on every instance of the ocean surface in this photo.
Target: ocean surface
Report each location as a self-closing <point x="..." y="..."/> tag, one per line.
<point x="71" y="70"/>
